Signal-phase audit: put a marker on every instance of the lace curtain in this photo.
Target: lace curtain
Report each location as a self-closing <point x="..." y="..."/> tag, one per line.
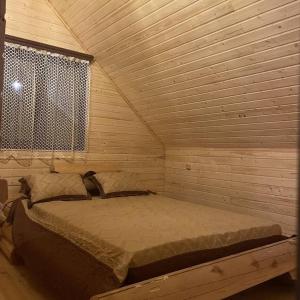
<point x="45" y="106"/>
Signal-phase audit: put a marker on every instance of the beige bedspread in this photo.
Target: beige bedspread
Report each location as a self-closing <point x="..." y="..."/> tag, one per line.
<point x="134" y="231"/>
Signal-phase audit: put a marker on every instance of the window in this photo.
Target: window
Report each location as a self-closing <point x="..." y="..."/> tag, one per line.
<point x="45" y="101"/>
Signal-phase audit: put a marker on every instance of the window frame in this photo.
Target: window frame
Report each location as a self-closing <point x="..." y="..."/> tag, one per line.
<point x="54" y="50"/>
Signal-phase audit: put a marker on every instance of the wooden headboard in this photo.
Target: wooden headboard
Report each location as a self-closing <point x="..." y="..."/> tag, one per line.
<point x="3" y="190"/>
<point x="82" y="167"/>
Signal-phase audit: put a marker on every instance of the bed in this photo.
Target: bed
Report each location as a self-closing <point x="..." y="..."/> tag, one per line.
<point x="115" y="247"/>
<point x="118" y="248"/>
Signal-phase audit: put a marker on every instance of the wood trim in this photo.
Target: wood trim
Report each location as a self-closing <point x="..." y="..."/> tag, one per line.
<point x="2" y="37"/>
<point x="217" y="279"/>
<point x="50" y="48"/>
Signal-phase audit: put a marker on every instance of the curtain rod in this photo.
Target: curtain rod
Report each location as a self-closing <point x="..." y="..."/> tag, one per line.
<point x="41" y="46"/>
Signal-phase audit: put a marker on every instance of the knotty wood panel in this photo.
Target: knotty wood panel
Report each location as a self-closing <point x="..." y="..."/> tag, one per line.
<point x="211" y="74"/>
<point x="261" y="182"/>
<point x="118" y="140"/>
<point x="190" y="67"/>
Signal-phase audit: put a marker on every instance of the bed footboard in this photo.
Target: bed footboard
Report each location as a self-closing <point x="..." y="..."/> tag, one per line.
<point x="216" y="279"/>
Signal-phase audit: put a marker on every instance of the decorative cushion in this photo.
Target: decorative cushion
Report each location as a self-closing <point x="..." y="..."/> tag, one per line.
<point x="119" y="184"/>
<point x="49" y="187"/>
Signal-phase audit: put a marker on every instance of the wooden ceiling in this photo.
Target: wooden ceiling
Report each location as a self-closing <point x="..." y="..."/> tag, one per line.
<point x="200" y="73"/>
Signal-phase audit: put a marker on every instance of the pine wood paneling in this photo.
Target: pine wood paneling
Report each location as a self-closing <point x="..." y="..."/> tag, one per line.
<point x="184" y="62"/>
<point x="220" y="76"/>
<point x="118" y="140"/>
<point x="260" y="182"/>
<point x="34" y="20"/>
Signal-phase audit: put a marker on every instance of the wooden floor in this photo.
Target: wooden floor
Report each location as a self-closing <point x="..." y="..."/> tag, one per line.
<point x="276" y="289"/>
<point x="16" y="284"/>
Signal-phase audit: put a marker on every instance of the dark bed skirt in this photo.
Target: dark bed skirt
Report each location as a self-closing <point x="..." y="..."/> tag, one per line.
<point x="72" y="273"/>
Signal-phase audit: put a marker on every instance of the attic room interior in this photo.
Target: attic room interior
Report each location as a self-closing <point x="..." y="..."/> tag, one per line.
<point x="149" y="149"/>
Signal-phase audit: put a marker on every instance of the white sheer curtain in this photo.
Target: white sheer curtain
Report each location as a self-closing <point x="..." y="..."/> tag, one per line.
<point x="45" y="106"/>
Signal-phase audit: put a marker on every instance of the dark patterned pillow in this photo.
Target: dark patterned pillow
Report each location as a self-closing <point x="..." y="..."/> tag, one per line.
<point x="90" y="184"/>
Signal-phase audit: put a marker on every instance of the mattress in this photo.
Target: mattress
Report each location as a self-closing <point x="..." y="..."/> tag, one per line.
<point x="135" y="231"/>
<point x="118" y="241"/>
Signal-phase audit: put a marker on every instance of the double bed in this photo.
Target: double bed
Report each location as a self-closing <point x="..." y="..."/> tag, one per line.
<point x="120" y="241"/>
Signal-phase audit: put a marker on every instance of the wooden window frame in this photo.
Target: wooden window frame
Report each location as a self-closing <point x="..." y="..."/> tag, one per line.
<point x="49" y="48"/>
<point x="2" y="38"/>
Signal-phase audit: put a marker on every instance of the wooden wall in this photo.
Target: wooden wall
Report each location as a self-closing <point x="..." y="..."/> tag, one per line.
<point x="214" y="75"/>
<point x="261" y="182"/>
<point x="201" y="73"/>
<point x="118" y="139"/>
<point x="216" y="80"/>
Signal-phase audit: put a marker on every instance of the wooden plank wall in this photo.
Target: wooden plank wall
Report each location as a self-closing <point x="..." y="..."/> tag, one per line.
<point x="207" y="76"/>
<point x="118" y="140"/>
<point x="214" y="75"/>
<point x="261" y="182"/>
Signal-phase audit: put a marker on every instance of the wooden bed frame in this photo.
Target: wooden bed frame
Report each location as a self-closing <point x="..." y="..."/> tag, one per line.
<point x="216" y="279"/>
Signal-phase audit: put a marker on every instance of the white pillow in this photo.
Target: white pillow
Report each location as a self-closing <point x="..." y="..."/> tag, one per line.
<point x="54" y="186"/>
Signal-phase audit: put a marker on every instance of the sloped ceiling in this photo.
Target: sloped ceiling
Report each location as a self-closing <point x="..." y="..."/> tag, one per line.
<point x="200" y="73"/>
